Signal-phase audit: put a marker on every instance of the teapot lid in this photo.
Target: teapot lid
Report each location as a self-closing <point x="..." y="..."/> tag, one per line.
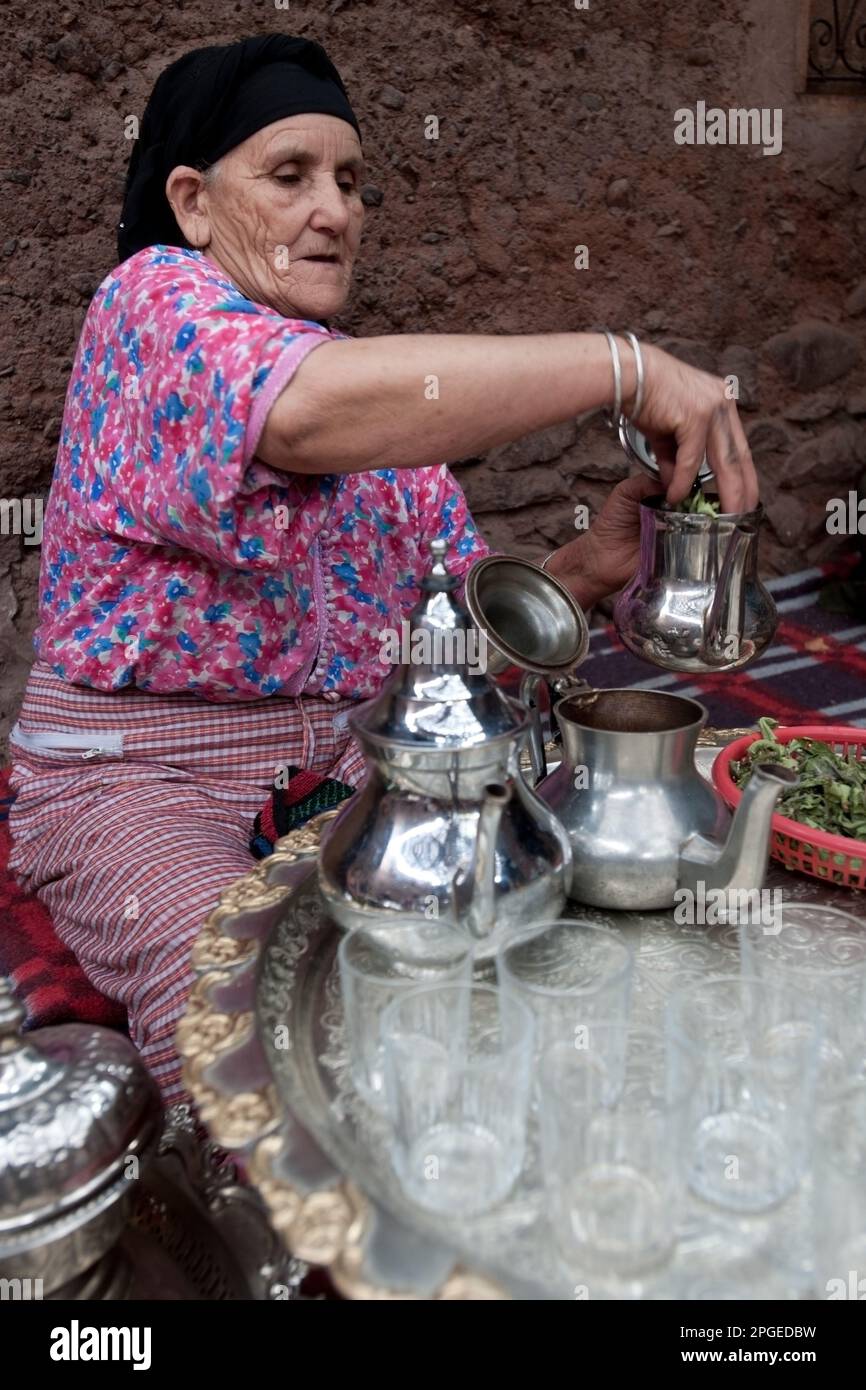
<point x="639" y="450"/>
<point x="76" y="1103"/>
<point x="440" y="694"/>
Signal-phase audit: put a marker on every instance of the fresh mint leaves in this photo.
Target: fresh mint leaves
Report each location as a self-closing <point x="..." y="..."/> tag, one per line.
<point x="698" y="505"/>
<point x="831" y="795"/>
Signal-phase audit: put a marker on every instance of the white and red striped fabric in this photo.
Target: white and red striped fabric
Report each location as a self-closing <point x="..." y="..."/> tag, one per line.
<point x="133" y="811"/>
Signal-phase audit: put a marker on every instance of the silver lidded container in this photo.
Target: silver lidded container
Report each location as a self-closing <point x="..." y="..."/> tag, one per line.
<point x="80" y="1115"/>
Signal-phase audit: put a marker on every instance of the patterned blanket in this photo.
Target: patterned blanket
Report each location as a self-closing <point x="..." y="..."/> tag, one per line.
<point x="45" y="974"/>
<point x="814" y="672"/>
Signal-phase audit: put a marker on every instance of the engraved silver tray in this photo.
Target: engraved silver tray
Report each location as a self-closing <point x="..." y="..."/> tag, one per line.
<point x="266" y="1061"/>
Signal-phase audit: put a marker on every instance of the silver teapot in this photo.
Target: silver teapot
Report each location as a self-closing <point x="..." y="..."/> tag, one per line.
<point x="444" y="827"/>
<point x="696" y="602"/>
<point x="642" y="821"/>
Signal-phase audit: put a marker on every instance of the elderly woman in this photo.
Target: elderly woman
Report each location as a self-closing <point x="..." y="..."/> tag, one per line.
<point x="241" y="503"/>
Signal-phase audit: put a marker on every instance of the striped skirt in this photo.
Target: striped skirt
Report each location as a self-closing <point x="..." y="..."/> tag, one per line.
<point x="133" y="811"/>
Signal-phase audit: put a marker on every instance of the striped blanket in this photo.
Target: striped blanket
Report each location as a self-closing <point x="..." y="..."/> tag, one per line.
<point x="813" y="672"/>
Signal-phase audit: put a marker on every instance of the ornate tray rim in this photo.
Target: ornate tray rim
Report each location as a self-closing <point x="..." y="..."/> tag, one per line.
<point x="327" y="1226"/>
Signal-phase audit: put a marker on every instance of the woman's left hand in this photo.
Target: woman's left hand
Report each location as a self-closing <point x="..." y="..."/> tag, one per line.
<point x="605" y="557"/>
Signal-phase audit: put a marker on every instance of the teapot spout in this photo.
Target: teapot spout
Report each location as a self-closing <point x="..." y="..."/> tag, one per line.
<point x="724" y="621"/>
<point x="474" y="886"/>
<point x="740" y="865"/>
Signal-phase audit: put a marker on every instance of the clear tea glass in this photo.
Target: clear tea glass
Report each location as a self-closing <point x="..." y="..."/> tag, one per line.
<point x="745" y="1139"/>
<point x="840" y="1197"/>
<point x="608" y="1140"/>
<point x="821" y="951"/>
<point x="370" y="978"/>
<point x="570" y="973"/>
<point x="458" y="1063"/>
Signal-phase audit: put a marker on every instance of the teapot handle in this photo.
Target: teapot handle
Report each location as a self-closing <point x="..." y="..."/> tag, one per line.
<point x="529" y="687"/>
<point x="561" y="687"/>
<point x="724" y="618"/>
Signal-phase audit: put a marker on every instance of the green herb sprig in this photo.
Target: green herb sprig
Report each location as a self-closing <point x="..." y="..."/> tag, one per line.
<point x="698" y="505"/>
<point x="831" y="794"/>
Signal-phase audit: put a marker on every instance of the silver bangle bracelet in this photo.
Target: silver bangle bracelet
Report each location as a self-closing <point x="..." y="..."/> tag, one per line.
<point x="543" y="564"/>
<point x="613" y="416"/>
<point x="640" y="377"/>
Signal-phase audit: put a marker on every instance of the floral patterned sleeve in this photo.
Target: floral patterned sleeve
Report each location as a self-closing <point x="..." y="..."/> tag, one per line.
<point x="189" y="368"/>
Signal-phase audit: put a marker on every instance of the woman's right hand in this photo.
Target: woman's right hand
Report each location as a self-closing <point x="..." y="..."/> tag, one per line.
<point x="686" y="413"/>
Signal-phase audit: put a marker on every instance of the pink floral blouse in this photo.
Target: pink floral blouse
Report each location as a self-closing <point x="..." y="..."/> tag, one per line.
<point x="174" y="559"/>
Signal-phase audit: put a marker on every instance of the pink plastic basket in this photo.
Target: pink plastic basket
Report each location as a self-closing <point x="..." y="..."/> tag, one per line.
<point x="797" y="846"/>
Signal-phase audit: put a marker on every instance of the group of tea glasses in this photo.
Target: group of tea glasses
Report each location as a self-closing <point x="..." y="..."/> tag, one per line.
<point x="752" y="1082"/>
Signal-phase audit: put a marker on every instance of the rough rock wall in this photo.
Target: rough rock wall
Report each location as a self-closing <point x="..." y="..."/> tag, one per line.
<point x="555" y="131"/>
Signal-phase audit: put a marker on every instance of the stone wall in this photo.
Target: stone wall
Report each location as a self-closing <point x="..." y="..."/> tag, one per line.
<point x="555" y="131"/>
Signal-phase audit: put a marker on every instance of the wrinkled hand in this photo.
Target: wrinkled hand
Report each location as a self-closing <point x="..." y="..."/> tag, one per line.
<point x="613" y="539"/>
<point x="686" y="413"/>
<point x="605" y="557"/>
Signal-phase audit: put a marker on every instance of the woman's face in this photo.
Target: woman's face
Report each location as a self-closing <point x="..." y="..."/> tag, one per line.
<point x="288" y="194"/>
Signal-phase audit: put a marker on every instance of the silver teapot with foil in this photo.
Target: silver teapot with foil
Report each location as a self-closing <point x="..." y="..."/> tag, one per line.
<point x="444" y="827"/>
<point x="696" y="603"/>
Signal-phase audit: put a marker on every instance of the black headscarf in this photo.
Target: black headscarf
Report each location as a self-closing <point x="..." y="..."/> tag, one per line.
<point x="205" y="104"/>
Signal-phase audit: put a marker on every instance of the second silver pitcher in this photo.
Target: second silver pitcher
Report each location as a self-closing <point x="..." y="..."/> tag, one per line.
<point x="696" y="603"/>
<point x="643" y="823"/>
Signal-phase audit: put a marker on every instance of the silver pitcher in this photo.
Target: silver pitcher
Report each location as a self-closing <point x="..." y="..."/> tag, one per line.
<point x="642" y="821"/>
<point x="444" y="826"/>
<point x="696" y="602"/>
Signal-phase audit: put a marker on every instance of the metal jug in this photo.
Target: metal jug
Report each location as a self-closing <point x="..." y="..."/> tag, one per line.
<point x="696" y="602"/>
<point x="444" y="827"/>
<point x="642" y="821"/>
